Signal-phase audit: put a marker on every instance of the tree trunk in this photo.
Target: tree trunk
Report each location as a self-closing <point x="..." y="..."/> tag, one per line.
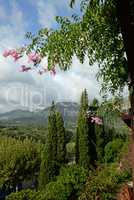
<point x="125" y="14"/>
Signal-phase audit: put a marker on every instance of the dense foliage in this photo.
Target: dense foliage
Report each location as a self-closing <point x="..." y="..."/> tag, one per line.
<point x="105" y="183"/>
<point x="19" y="160"/>
<point x="49" y="165"/>
<point x="82" y="142"/>
<point x="68" y="184"/>
<point x="96" y="34"/>
<point x="55" y="148"/>
<point x="25" y="194"/>
<point x="112" y="150"/>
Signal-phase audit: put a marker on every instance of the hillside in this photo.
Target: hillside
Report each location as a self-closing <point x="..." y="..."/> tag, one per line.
<point x="69" y="112"/>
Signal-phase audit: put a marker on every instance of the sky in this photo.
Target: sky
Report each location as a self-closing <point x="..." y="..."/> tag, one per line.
<point x="30" y="90"/>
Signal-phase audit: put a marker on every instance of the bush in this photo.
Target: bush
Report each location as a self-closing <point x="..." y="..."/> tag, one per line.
<point x="69" y="183"/>
<point x="105" y="183"/>
<point x="70" y="151"/>
<point x="18" y="160"/>
<point x="112" y="150"/>
<point x="25" y="195"/>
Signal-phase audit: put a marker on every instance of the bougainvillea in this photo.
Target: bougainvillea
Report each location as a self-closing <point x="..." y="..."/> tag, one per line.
<point x="93" y="118"/>
<point x="96" y="120"/>
<point x="33" y="61"/>
<point x="16" y="55"/>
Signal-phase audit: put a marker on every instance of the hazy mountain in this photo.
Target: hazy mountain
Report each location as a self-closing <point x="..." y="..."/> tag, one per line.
<point x="69" y="112"/>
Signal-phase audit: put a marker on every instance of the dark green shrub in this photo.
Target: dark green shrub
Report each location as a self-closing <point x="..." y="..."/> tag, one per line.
<point x="25" y="195"/>
<point x="112" y="150"/>
<point x="105" y="182"/>
<point x="69" y="183"/>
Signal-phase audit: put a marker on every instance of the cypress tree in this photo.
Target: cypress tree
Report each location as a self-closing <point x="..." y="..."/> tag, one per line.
<point x="49" y="165"/>
<point x="95" y="140"/>
<point x="100" y="142"/>
<point x="92" y="144"/>
<point x="77" y="147"/>
<point x="82" y="142"/>
<point x="85" y="136"/>
<point x="61" y="146"/>
<point x="44" y="175"/>
<point x="54" y="153"/>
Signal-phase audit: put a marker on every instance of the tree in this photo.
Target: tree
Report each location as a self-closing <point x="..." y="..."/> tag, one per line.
<point x="85" y="136"/>
<point x="95" y="103"/>
<point x="96" y="34"/>
<point x="49" y="166"/>
<point x="61" y="145"/>
<point x="101" y="141"/>
<point x="54" y="152"/>
<point x="113" y="127"/>
<point x="99" y="134"/>
<point x="77" y="153"/>
<point x="44" y="173"/>
<point x="82" y="142"/>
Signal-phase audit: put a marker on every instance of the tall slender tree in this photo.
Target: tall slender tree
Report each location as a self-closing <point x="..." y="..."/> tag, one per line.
<point x="49" y="165"/>
<point x="82" y="143"/>
<point x="99" y="139"/>
<point x="100" y="142"/>
<point x="52" y="136"/>
<point x="85" y="136"/>
<point x="61" y="144"/>
<point x="54" y="153"/>
<point x="44" y="174"/>
<point x="77" y="146"/>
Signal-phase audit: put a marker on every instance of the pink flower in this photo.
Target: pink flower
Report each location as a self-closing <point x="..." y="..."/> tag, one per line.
<point x="96" y="120"/>
<point x="34" y="57"/>
<point x="6" y="53"/>
<point x="12" y="53"/>
<point x="15" y="55"/>
<point x="23" y="68"/>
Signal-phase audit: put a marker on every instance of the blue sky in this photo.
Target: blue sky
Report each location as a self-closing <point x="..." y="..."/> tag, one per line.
<point x="37" y="13"/>
<point x="30" y="90"/>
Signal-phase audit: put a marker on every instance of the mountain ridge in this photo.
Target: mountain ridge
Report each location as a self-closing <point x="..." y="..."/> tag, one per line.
<point x="69" y="112"/>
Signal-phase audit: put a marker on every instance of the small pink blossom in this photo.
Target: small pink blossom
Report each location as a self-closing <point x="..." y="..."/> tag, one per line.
<point x="12" y="53"/>
<point x="34" y="57"/>
<point x="23" y="68"/>
<point x="96" y="120"/>
<point x="15" y="55"/>
<point x="6" y="53"/>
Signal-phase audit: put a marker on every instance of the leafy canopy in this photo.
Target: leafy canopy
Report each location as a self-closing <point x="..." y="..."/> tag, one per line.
<point x="96" y="34"/>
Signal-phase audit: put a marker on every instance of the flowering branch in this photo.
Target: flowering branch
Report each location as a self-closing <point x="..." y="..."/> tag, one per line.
<point x="33" y="58"/>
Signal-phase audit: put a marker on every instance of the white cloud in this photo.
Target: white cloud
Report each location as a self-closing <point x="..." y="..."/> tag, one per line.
<point x="67" y="86"/>
<point x="48" y="10"/>
<point x="46" y="13"/>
